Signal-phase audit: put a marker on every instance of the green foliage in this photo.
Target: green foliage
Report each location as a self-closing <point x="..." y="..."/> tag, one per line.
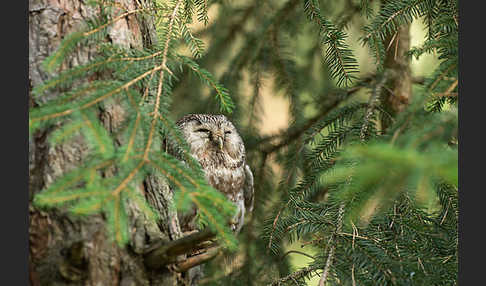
<point x="391" y="183"/>
<point x="383" y="199"/>
<point x="67" y="45"/>
<point x="402" y="170"/>
<point x="222" y="94"/>
<point x="141" y="82"/>
<point x="339" y="57"/>
<point x="397" y="186"/>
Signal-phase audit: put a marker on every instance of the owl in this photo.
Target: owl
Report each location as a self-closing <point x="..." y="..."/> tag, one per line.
<point x="214" y="141"/>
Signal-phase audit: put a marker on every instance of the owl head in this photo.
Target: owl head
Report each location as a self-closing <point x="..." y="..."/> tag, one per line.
<point x="209" y="134"/>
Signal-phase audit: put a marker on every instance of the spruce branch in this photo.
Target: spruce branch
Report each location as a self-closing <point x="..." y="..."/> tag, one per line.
<point x="202" y="11"/>
<point x="393" y="14"/>
<point x="97" y="99"/>
<point x="155" y="115"/>
<point x="330" y="255"/>
<point x="65" y="77"/>
<point x="222" y="94"/>
<point x="296" y="275"/>
<point x="294" y="134"/>
<point x="71" y="40"/>
<point x="339" y="57"/>
<point x="372" y="103"/>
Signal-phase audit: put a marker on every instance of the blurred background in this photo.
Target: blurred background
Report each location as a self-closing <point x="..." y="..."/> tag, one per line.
<point x="270" y="58"/>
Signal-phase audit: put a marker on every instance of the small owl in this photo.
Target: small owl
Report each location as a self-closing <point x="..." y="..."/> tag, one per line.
<point x="215" y="143"/>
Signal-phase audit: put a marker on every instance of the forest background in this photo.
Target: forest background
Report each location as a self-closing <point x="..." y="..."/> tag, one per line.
<point x="348" y="110"/>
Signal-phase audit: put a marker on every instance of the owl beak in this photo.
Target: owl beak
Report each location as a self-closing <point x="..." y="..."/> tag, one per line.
<point x="220" y="143"/>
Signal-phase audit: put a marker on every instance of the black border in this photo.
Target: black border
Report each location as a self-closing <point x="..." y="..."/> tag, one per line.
<point x="14" y="116"/>
<point x="471" y="143"/>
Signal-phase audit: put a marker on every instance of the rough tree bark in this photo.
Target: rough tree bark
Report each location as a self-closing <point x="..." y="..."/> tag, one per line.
<point x="398" y="86"/>
<point x="69" y="250"/>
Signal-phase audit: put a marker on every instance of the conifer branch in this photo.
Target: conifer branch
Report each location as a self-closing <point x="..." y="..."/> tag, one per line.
<point x="296" y="275"/>
<point x="224" y="234"/>
<point x="226" y="104"/>
<point x="295" y="134"/>
<point x="339" y="57"/>
<point x="155" y="115"/>
<point x="81" y="70"/>
<point x="401" y="12"/>
<point x="98" y="99"/>
<point x="127" y="179"/>
<point x="373" y="101"/>
<point x="441" y="76"/>
<point x="330" y="256"/>
<point x="131" y="140"/>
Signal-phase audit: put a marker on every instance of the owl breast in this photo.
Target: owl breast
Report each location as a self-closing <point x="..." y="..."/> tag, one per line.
<point x="223" y="173"/>
<point x="227" y="176"/>
<point x="228" y="181"/>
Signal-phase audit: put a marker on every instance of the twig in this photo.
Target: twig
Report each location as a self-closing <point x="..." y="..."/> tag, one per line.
<point x="98" y="99"/>
<point x="298" y="252"/>
<point x="445" y="213"/>
<point x="296" y="275"/>
<point x="289" y="137"/>
<point x="373" y="101"/>
<point x="352" y="276"/>
<point x="330" y="256"/>
<point x="314" y="241"/>
<point x="161" y="80"/>
<point x="441" y="76"/>
<point x="391" y="41"/>
<point x="449" y="90"/>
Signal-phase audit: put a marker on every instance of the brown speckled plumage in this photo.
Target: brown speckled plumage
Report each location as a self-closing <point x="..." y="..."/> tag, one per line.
<point x="216" y="144"/>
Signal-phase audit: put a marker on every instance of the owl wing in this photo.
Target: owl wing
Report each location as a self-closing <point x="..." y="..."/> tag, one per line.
<point x="248" y="189"/>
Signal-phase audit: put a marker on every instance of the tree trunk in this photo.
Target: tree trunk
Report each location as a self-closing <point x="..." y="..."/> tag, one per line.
<point x="398" y="86"/>
<point x="71" y="250"/>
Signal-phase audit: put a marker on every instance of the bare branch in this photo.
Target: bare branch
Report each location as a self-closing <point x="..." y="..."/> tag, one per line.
<point x="161" y="254"/>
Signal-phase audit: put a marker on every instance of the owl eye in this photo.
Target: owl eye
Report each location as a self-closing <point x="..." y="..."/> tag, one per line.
<point x="202" y="130"/>
<point x="227" y="132"/>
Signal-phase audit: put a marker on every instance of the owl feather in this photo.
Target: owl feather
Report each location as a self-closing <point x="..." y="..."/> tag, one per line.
<point x="215" y="143"/>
